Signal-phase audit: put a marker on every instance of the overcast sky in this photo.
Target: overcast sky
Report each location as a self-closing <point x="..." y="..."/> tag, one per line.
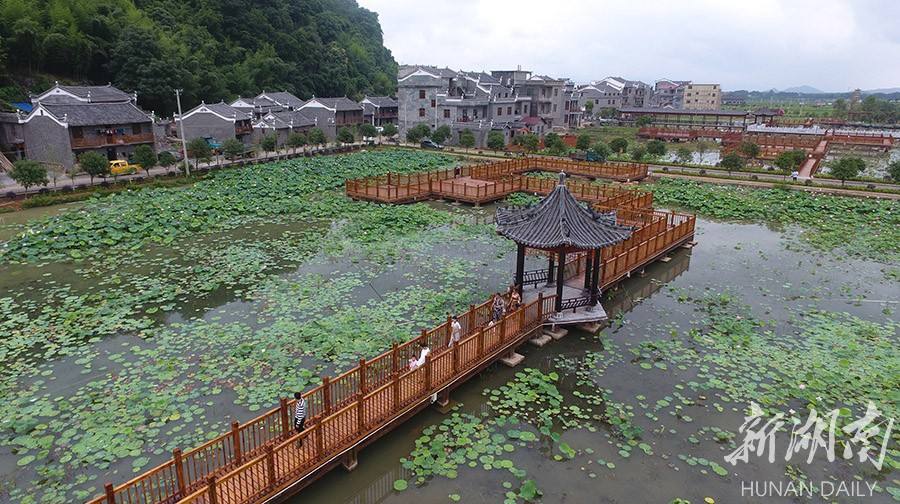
<point x="760" y="44"/>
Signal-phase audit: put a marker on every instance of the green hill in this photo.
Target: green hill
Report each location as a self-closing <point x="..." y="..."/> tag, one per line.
<point x="213" y="49"/>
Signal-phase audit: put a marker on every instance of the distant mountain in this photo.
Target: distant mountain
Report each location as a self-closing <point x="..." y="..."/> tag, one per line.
<point x="882" y="90"/>
<point x="802" y="89"/>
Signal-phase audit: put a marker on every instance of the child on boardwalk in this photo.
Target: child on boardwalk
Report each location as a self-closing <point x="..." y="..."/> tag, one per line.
<point x="299" y="415"/>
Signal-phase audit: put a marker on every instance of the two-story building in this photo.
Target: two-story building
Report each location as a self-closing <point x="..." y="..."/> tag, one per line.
<point x="332" y="114"/>
<point x="380" y="110"/>
<point x="218" y="121"/>
<point x="282" y="124"/>
<point x="66" y="121"/>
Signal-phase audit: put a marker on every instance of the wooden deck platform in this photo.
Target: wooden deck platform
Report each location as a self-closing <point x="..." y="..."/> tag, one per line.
<point x="479" y="184"/>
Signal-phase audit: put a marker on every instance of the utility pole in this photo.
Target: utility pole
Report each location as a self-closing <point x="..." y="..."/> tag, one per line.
<point x="187" y="165"/>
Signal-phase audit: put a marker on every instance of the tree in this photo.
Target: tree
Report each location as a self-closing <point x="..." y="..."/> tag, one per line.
<point x="441" y="134"/>
<point x="316" y="137"/>
<point x="366" y="130"/>
<point x="584" y="141"/>
<point x="54" y="171"/>
<point x="529" y="141"/>
<point x="656" y="148"/>
<point x="29" y="173"/>
<point x="145" y="156"/>
<point x="638" y="153"/>
<point x="555" y="144"/>
<point x="600" y="151"/>
<point x="643" y="120"/>
<point x="166" y="158"/>
<point x="589" y="108"/>
<point x="199" y="150"/>
<point x="345" y="135"/>
<point x="749" y="149"/>
<point x="417" y="133"/>
<point x="618" y="145"/>
<point x="268" y="143"/>
<point x="233" y="148"/>
<point x="94" y="164"/>
<point x="788" y="161"/>
<point x="389" y="130"/>
<point x="839" y="108"/>
<point x="73" y="172"/>
<point x="732" y="161"/>
<point x="847" y="168"/>
<point x="466" y="139"/>
<point x="893" y="171"/>
<point x="683" y="155"/>
<point x="496" y="140"/>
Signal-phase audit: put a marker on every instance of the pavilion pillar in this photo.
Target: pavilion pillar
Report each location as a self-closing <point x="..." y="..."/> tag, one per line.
<point x="520" y="267"/>
<point x="560" y="279"/>
<point x="550" y="270"/>
<point x="588" y="266"/>
<point x="595" y="277"/>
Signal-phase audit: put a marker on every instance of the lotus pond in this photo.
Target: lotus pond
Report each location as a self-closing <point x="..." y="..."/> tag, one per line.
<point x="146" y="321"/>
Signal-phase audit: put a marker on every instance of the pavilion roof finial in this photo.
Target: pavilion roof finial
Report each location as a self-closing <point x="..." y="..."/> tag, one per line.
<point x="562" y="178"/>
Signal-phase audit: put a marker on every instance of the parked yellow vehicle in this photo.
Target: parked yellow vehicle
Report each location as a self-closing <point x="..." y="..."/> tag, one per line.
<point x="123" y="167"/>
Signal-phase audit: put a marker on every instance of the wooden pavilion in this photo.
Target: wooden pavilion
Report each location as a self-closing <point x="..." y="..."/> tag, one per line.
<point x="561" y="226"/>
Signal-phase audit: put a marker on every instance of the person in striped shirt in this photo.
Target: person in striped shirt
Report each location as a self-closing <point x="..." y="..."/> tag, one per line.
<point x="300" y="414"/>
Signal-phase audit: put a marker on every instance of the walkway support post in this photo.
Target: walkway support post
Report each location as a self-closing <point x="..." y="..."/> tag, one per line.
<point x="236" y="441"/>
<point x="560" y="279"/>
<point x="595" y="278"/>
<point x="588" y="267"/>
<point x="520" y="266"/>
<point x="270" y="465"/>
<point x="540" y="306"/>
<point x="285" y="417"/>
<point x="211" y="490"/>
<point x="110" y="493"/>
<point x="179" y="471"/>
<point x="326" y="395"/>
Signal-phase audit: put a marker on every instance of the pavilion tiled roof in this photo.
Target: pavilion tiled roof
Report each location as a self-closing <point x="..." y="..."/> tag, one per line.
<point x="560" y="221"/>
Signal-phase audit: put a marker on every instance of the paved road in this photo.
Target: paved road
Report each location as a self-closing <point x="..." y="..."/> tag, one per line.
<point x="772" y="177"/>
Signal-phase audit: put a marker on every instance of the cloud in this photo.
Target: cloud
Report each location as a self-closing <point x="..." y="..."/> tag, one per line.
<point x="828" y="44"/>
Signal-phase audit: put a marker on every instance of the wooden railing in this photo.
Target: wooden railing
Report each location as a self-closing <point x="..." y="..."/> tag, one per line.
<point x="492" y="184"/>
<point x="238" y="466"/>
<point x="115" y="139"/>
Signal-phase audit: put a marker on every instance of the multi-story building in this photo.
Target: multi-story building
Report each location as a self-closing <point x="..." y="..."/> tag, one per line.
<point x="218" y="121"/>
<point x="511" y="102"/>
<point x="669" y="93"/>
<point x="702" y="97"/>
<point x="572" y="108"/>
<point x="66" y="121"/>
<point x="632" y="93"/>
<point x="601" y="95"/>
<point x="380" y="110"/>
<point x="282" y="124"/>
<point x="267" y="102"/>
<point x="332" y="114"/>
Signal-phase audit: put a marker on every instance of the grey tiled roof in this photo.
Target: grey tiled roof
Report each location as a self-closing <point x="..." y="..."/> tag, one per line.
<point x="382" y="101"/>
<point x="108" y="93"/>
<point x="284" y="98"/>
<point x="559" y="220"/>
<point x="223" y="109"/>
<point x="96" y="114"/>
<point x="339" y="104"/>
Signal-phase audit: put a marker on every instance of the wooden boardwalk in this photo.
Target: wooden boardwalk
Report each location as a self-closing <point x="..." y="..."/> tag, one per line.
<point x="485" y="183"/>
<point x="263" y="459"/>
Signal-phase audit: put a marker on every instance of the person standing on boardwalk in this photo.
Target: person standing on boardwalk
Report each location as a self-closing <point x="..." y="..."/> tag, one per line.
<point x="497" y="308"/>
<point x="455" y="332"/>
<point x="515" y="300"/>
<point x="300" y="414"/>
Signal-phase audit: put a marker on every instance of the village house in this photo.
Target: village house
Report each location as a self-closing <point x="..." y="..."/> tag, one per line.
<point x="216" y="121"/>
<point x="332" y="114"/>
<point x="282" y="125"/>
<point x="66" y="121"/>
<point x="379" y="110"/>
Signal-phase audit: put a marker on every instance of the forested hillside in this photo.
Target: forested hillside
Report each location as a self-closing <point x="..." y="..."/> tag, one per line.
<point x="213" y="49"/>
